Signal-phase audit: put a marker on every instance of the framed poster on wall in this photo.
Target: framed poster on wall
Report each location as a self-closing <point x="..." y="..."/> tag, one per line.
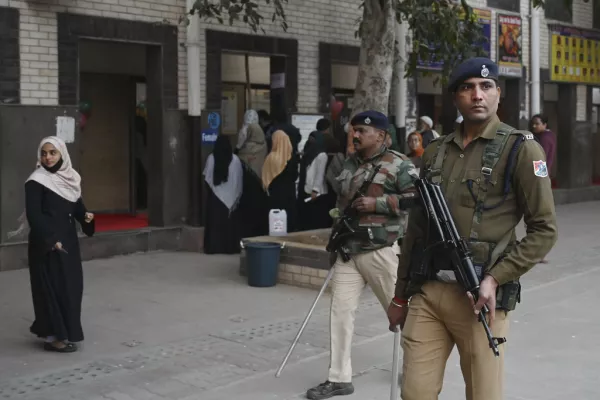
<point x="510" y="56"/>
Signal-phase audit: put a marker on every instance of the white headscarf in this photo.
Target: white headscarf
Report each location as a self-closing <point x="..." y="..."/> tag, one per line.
<point x="65" y="182"/>
<point x="228" y="192"/>
<point x="250" y="117"/>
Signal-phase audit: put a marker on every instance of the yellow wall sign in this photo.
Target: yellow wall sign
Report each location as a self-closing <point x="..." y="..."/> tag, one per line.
<point x="575" y="55"/>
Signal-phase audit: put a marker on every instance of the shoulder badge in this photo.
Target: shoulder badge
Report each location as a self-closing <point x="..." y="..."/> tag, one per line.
<point x="529" y="136"/>
<point x="540" y="169"/>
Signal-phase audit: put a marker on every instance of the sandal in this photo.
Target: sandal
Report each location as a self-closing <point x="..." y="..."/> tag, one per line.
<point x="69" y="348"/>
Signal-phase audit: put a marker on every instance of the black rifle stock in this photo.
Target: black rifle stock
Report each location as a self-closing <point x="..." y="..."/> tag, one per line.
<point x="439" y="215"/>
<point x="343" y="229"/>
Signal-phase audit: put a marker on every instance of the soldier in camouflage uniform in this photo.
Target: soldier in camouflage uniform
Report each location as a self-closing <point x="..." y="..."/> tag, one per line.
<point x="373" y="258"/>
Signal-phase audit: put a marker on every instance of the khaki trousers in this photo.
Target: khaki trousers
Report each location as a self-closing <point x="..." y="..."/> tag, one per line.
<point x="378" y="269"/>
<point x="437" y="320"/>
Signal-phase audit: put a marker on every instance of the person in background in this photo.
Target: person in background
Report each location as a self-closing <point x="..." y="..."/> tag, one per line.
<point x="279" y="123"/>
<point x="266" y="124"/>
<point x="52" y="205"/>
<point x="314" y="197"/>
<point x="252" y="152"/>
<point x="426" y="130"/>
<point x="349" y="139"/>
<point x="251" y="147"/>
<point x="332" y="145"/>
<point x="416" y="149"/>
<point x="545" y="137"/>
<point x="293" y="133"/>
<point x="392" y="139"/>
<point x="279" y="175"/>
<point x="224" y="177"/>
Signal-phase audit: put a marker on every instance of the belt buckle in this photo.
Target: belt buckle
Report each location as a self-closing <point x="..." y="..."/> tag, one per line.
<point x="486" y="171"/>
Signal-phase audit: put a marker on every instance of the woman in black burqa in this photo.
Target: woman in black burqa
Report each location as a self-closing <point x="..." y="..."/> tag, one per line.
<point x="224" y="177"/>
<point x="52" y="205"/>
<point x="315" y="197"/>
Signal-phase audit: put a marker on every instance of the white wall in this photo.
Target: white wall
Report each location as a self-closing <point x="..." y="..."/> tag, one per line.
<point x="38" y="38"/>
<point x="310" y="21"/>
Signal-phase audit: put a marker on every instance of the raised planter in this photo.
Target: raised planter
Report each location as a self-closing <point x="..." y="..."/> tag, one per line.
<point x="304" y="261"/>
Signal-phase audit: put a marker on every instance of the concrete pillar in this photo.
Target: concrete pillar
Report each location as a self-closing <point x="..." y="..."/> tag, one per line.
<point x="574" y="143"/>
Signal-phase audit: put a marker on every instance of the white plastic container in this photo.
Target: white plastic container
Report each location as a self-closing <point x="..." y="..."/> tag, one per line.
<point x="277" y="223"/>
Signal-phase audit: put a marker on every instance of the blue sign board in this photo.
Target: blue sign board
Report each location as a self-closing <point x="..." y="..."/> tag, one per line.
<point x="485" y="20"/>
<point x="209" y="136"/>
<point x="214" y="120"/>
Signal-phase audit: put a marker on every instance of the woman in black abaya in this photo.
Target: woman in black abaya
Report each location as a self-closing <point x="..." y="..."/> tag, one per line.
<point x="279" y="175"/>
<point x="224" y="177"/>
<point x="314" y="213"/>
<point x="52" y="205"/>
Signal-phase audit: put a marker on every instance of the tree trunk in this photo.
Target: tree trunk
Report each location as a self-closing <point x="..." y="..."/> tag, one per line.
<point x="376" y="57"/>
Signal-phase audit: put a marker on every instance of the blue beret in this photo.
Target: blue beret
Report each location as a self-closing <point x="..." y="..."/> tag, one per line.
<point x="371" y="118"/>
<point x="478" y="67"/>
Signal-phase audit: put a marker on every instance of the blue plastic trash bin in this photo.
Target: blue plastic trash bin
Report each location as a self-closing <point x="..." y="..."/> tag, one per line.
<point x="262" y="263"/>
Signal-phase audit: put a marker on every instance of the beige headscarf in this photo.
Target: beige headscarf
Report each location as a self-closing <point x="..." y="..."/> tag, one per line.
<point x="65" y="182"/>
<point x="277" y="159"/>
<point x="254" y="148"/>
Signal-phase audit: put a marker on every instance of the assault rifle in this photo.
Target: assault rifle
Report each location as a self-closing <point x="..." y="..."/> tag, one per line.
<point x="343" y="229"/>
<point x="439" y="215"/>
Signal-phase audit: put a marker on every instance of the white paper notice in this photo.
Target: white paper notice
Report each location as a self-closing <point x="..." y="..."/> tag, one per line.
<point x="65" y="129"/>
<point x="278" y="81"/>
<point x="306" y="124"/>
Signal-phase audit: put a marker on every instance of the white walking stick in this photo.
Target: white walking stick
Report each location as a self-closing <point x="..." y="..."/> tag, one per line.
<point x="395" y="364"/>
<point x="312" y="308"/>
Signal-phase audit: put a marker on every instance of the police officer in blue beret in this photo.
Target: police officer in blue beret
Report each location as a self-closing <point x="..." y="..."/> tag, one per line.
<point x="379" y="218"/>
<point x="492" y="176"/>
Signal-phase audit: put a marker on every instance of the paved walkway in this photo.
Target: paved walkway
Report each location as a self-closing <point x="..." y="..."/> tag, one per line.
<point x="186" y="326"/>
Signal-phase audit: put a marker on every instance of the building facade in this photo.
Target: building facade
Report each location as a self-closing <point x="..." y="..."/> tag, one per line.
<point x="111" y="77"/>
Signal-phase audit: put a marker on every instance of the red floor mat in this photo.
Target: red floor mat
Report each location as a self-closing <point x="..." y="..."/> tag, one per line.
<point x="120" y="222"/>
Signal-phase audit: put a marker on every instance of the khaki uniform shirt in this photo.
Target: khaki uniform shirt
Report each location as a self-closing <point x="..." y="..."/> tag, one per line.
<point x="530" y="198"/>
<point x="392" y="183"/>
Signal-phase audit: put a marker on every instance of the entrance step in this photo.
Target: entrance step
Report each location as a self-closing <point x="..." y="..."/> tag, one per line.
<point x="108" y="244"/>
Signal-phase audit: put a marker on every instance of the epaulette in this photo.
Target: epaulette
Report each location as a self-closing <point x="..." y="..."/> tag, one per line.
<point x="401" y="155"/>
<point x="528" y="135"/>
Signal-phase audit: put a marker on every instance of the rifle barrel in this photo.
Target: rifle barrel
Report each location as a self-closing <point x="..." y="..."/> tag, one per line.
<point x="436" y="206"/>
<point x="482" y="317"/>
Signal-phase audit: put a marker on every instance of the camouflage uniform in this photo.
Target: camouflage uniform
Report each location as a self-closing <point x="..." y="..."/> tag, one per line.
<point x="373" y="256"/>
<point x="374" y="261"/>
<point x="390" y="184"/>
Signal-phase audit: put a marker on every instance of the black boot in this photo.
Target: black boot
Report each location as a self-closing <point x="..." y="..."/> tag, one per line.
<point x="329" y="389"/>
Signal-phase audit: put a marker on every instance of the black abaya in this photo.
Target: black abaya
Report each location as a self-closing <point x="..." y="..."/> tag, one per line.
<point x="222" y="232"/>
<point x="56" y="277"/>
<point x="282" y="193"/>
<point x="253" y="206"/>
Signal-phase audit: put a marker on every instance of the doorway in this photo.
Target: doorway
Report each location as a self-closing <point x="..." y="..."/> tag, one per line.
<point x="430" y="99"/>
<point x="246" y="82"/>
<point x="114" y="142"/>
